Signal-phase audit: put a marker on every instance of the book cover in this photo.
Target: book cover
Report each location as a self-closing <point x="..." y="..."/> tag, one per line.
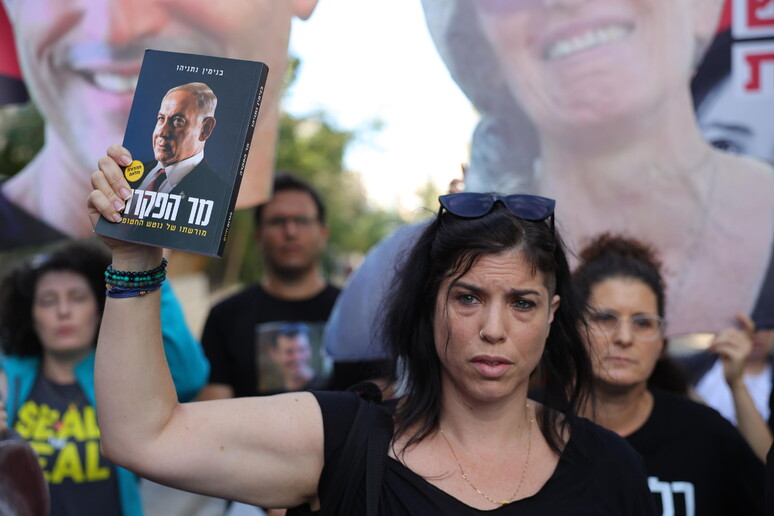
<point x="189" y="132"/>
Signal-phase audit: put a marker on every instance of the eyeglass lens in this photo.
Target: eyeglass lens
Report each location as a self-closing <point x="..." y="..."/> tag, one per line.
<point x="643" y="326"/>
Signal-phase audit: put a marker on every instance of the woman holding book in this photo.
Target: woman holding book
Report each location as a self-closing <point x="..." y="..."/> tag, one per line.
<point x="485" y="301"/>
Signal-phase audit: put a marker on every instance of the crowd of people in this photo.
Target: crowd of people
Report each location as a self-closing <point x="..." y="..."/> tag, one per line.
<point x="518" y="385"/>
<point x="506" y="358"/>
<point x="513" y="383"/>
<point x="475" y="362"/>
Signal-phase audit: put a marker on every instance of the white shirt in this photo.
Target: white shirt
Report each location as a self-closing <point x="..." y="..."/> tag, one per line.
<point x="176" y="172"/>
<point x="715" y="391"/>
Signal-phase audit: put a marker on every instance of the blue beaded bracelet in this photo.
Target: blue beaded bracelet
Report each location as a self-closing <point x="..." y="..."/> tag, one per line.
<point x="121" y="292"/>
<point x="121" y="284"/>
<point x="136" y="279"/>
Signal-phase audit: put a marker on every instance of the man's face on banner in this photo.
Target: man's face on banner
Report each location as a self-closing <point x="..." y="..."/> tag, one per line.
<point x="80" y="58"/>
<point x="575" y="63"/>
<point x="292" y="354"/>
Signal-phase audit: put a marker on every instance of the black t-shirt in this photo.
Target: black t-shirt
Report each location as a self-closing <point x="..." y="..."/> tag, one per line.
<point x="229" y="337"/>
<point x="61" y="426"/>
<point x="598" y="474"/>
<point x="770" y="482"/>
<point x="695" y="458"/>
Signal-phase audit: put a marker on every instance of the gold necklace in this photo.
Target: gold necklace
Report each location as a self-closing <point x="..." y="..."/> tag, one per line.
<point x="523" y="473"/>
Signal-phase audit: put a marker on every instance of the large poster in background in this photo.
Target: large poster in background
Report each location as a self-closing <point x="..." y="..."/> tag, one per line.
<point x="80" y="62"/>
<point x="11" y="85"/>
<point x="590" y="103"/>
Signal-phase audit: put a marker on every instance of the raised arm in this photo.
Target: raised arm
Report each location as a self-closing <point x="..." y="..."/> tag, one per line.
<point x="734" y="346"/>
<point x="263" y="451"/>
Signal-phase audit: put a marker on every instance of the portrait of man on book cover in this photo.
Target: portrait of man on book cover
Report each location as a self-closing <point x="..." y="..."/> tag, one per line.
<point x="189" y="133"/>
<point x="185" y="120"/>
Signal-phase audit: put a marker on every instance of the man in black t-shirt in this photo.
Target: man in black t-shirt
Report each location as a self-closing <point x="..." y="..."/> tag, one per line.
<point x="290" y="234"/>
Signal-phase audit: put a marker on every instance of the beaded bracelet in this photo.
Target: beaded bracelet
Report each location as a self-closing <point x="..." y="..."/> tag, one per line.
<point x="119" y="292"/>
<point x="121" y="284"/>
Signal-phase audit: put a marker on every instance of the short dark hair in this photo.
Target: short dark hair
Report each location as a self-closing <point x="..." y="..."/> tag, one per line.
<point x="289" y="181"/>
<point x="17" y="291"/>
<point x="448" y="248"/>
<point x="616" y="256"/>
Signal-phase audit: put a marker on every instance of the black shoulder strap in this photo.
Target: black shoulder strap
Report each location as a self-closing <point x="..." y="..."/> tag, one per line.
<point x="364" y="451"/>
<point x="378" y="443"/>
<point x="350" y="466"/>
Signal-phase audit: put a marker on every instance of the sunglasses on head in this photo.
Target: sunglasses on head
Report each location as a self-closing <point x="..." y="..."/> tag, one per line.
<point x="471" y="205"/>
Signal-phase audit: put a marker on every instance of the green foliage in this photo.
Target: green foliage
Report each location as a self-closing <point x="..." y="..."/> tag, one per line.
<point x="21" y="137"/>
<point x="313" y="148"/>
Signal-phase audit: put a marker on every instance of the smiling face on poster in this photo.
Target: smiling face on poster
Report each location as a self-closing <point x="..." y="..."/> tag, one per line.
<point x="588" y="102"/>
<point x="80" y="61"/>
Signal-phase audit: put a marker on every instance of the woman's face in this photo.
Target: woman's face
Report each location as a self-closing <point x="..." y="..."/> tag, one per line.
<point x="576" y="63"/>
<point x="626" y="356"/>
<point x="491" y="326"/>
<point x="65" y="312"/>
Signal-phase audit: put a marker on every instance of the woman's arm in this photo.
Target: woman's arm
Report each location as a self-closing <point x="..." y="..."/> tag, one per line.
<point x="263" y="451"/>
<point x="734" y="346"/>
<point x="187" y="363"/>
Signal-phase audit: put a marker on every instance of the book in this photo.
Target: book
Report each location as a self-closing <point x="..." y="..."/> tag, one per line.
<point x="189" y="132"/>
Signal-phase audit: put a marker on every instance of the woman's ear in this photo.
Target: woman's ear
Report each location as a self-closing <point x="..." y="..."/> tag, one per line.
<point x="553" y="307"/>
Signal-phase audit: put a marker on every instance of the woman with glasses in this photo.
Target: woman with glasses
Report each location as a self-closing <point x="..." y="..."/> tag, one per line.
<point x="485" y="300"/>
<point x="697" y="462"/>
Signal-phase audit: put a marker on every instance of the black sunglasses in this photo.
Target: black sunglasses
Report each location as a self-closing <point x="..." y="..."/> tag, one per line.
<point x="471" y="205"/>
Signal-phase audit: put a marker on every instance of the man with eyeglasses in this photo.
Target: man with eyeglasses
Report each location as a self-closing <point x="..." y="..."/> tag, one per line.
<point x="290" y="235"/>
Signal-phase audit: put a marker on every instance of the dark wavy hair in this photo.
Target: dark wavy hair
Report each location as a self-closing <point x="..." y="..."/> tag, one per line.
<point x="611" y="256"/>
<point x="615" y="256"/>
<point x="17" y="291"/>
<point x="448" y="248"/>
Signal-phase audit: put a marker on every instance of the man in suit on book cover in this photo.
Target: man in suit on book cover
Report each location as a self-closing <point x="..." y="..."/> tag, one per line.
<point x="185" y="121"/>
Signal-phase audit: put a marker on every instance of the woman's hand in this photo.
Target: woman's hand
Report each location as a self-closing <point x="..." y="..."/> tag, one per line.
<point x="108" y="200"/>
<point x="734" y="345"/>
